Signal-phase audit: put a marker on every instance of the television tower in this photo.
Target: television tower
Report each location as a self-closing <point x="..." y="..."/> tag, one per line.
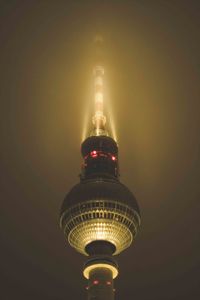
<point x="100" y="217"/>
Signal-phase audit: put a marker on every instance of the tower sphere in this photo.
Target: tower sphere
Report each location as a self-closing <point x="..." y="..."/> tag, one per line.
<point x="100" y="208"/>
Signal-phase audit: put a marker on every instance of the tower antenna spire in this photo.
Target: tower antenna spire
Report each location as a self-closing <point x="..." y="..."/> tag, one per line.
<point x="99" y="119"/>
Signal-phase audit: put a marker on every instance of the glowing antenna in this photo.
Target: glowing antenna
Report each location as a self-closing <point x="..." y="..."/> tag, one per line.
<point x="99" y="119"/>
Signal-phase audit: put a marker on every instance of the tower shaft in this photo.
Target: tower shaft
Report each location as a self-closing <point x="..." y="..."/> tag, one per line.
<point x="100" y="284"/>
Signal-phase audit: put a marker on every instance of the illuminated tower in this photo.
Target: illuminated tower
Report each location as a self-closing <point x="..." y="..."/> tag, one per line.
<point x="100" y="216"/>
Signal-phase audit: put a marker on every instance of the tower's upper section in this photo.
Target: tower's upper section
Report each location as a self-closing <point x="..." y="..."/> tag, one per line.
<point x="99" y="150"/>
<point x="99" y="210"/>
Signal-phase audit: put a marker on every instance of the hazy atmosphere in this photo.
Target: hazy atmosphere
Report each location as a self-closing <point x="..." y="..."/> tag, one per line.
<point x="152" y="63"/>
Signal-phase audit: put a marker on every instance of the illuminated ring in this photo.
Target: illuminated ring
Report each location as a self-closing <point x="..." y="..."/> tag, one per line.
<point x="88" y="269"/>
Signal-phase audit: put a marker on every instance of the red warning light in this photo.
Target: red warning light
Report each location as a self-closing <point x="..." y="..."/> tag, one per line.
<point x="93" y="153"/>
<point x="113" y="158"/>
<point x="96" y="282"/>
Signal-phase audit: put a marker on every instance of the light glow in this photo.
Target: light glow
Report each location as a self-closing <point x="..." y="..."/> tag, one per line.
<point x="94" y="153"/>
<point x="87" y="270"/>
<point x="98" y="97"/>
<point x="105" y="220"/>
<point x="98" y="81"/>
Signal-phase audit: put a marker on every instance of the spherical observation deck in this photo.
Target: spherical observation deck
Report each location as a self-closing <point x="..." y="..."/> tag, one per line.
<point x="100" y="210"/>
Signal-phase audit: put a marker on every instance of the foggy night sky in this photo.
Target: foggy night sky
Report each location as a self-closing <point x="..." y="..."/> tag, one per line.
<point x="152" y="61"/>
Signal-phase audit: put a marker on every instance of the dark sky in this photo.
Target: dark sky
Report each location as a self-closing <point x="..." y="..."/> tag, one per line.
<point x="152" y="58"/>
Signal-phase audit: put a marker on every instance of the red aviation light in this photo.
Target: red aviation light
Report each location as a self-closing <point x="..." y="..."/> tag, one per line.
<point x="93" y="153"/>
<point x="95" y="282"/>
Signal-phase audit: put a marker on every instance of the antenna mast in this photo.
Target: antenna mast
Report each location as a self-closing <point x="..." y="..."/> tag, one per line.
<point x="99" y="119"/>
